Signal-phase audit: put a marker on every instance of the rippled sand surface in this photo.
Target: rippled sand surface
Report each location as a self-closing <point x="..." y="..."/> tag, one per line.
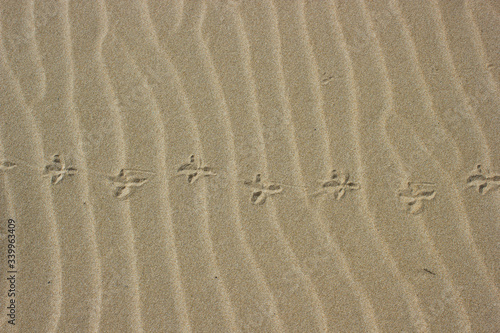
<point x="250" y="166"/>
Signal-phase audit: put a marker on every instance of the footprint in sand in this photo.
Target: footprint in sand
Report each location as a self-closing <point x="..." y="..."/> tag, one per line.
<point x="57" y="170"/>
<point x="326" y="79"/>
<point x="126" y="182"/>
<point x="483" y="180"/>
<point x="413" y="195"/>
<point x="338" y="184"/>
<point x="194" y="170"/>
<point x="261" y="190"/>
<point x="7" y="165"/>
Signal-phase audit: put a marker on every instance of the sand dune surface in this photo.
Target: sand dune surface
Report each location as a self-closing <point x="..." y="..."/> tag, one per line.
<point x="249" y="166"/>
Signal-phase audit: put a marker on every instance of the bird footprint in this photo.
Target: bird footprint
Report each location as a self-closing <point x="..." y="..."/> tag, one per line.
<point x="7" y="165"/>
<point x="57" y="170"/>
<point x="194" y="170"/>
<point x="338" y="184"/>
<point x="413" y="195"/>
<point x="261" y="190"/>
<point x="126" y="182"/>
<point x="483" y="180"/>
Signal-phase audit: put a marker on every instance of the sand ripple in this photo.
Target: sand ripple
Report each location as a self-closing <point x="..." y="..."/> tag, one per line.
<point x="375" y="121"/>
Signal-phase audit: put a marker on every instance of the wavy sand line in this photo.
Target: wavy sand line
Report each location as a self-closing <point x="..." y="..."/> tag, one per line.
<point x="40" y="70"/>
<point x="95" y="317"/>
<point x="479" y="46"/>
<point x="180" y="297"/>
<point x="122" y="158"/>
<point x="431" y="118"/>
<point x="415" y="303"/>
<point x="484" y="144"/>
<point x="94" y="314"/>
<point x="464" y="320"/>
<point x="488" y="21"/>
<point x="476" y="253"/>
<point x="458" y="272"/>
<point x="209" y="78"/>
<point x="481" y="56"/>
<point x="277" y="322"/>
<point x="180" y="14"/>
<point x="359" y="290"/>
<point x="195" y="133"/>
<point x="227" y="308"/>
<point x="319" y="112"/>
<point x="337" y="118"/>
<point x="262" y="155"/>
<point x="459" y="205"/>
<point x="437" y="88"/>
<point x="256" y="123"/>
<point x="45" y="191"/>
<point x="424" y="87"/>
<point x="25" y="62"/>
<point x="464" y="216"/>
<point x="31" y="90"/>
<point x="411" y="298"/>
<point x="164" y="211"/>
<point x="481" y="91"/>
<point x="292" y="142"/>
<point x="160" y="126"/>
<point x="483" y="60"/>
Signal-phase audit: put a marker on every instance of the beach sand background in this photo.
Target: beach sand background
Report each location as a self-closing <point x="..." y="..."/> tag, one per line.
<point x="389" y="91"/>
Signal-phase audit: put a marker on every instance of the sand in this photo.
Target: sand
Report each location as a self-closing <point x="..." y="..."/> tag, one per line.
<point x="249" y="166"/>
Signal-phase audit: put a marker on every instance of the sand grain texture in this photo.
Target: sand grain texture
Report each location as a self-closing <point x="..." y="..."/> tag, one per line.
<point x="364" y="119"/>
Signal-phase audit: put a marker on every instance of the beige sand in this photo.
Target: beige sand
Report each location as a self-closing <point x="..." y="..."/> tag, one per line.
<point x="403" y="96"/>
